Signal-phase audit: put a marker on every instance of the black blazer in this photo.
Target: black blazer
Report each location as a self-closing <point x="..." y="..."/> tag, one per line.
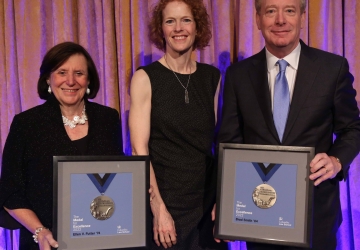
<point x="35" y="136"/>
<point x="323" y="104"/>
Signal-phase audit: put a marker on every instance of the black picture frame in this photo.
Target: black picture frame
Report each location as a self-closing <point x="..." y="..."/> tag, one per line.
<point x="129" y="190"/>
<point x="237" y="215"/>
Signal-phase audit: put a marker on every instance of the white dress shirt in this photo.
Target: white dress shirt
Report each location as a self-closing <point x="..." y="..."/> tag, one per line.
<point x="291" y="70"/>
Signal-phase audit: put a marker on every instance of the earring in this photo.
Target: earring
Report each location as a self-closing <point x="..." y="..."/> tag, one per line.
<point x="49" y="90"/>
<point x="88" y="91"/>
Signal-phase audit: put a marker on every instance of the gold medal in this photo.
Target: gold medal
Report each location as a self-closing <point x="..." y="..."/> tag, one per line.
<point x="264" y="196"/>
<point x="102" y="207"/>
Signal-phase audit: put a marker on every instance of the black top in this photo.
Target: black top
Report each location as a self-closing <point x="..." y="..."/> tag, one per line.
<point x="35" y="136"/>
<point x="180" y="147"/>
<point x="81" y="144"/>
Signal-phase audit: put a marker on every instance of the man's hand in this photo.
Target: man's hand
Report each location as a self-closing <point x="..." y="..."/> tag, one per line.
<point x="323" y="167"/>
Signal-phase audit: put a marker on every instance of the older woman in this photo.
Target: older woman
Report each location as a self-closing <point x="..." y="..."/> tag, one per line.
<point x="66" y="124"/>
<point x="172" y="118"/>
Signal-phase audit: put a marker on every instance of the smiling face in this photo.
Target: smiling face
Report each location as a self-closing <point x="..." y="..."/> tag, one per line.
<point x="179" y="27"/>
<point x="69" y="82"/>
<point x="280" y="22"/>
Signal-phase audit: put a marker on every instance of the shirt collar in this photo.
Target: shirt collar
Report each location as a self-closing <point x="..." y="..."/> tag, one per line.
<point x="292" y="58"/>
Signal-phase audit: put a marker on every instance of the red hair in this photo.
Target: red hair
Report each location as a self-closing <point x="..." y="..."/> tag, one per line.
<point x="201" y="17"/>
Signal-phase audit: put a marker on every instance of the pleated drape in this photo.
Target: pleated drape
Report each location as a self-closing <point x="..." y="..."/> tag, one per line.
<point x="115" y="34"/>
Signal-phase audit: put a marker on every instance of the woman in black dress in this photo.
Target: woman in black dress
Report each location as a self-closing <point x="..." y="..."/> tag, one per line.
<point x="172" y="118"/>
<point x="66" y="124"/>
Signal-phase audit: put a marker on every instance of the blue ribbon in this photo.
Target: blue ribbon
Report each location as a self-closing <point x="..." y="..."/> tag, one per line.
<point x="266" y="173"/>
<point x="101" y="183"/>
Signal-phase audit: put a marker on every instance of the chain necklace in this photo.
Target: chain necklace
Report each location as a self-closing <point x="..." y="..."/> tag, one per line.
<point x="187" y="85"/>
<point x="76" y="120"/>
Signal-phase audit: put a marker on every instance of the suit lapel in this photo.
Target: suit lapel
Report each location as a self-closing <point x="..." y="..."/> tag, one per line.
<point x="260" y="83"/>
<point x="305" y="78"/>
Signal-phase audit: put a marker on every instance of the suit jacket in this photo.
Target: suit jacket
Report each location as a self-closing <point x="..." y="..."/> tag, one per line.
<point x="323" y="104"/>
<point x="35" y="136"/>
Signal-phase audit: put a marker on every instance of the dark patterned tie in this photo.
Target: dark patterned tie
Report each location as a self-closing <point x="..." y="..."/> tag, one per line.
<point x="281" y="99"/>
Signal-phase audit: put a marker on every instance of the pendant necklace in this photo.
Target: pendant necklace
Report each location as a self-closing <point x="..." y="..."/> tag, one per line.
<point x="187" y="85"/>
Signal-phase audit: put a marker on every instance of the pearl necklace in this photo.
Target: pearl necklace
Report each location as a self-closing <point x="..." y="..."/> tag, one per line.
<point x="76" y="120"/>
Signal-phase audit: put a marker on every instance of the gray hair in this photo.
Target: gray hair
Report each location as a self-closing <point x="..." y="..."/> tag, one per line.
<point x="258" y="5"/>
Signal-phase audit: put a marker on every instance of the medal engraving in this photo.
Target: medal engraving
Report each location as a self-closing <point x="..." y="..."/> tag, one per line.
<point x="264" y="196"/>
<point x="102" y="207"/>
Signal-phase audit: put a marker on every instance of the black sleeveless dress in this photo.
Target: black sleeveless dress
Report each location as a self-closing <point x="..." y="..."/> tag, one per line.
<point x="180" y="148"/>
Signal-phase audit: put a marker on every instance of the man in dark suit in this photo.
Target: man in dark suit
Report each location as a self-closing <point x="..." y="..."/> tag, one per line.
<point x="319" y="101"/>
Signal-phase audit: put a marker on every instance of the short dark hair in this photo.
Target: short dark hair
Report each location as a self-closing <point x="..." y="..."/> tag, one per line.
<point x="258" y="6"/>
<point x="58" y="55"/>
<point x="201" y="17"/>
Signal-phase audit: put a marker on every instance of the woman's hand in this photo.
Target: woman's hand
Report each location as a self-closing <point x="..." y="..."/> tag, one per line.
<point x="152" y="193"/>
<point x="30" y="220"/>
<point x="213" y="213"/>
<point x="46" y="240"/>
<point x="164" y="226"/>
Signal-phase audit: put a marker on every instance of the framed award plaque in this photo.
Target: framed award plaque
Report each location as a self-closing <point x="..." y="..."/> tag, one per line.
<point x="264" y="194"/>
<point x="101" y="202"/>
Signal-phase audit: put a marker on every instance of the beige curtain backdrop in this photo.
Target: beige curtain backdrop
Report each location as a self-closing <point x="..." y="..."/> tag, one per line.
<point x="115" y="34"/>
